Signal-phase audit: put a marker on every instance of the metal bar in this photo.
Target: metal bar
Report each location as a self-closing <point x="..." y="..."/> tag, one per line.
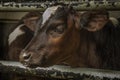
<point x="61" y="72"/>
<point x="78" y="5"/>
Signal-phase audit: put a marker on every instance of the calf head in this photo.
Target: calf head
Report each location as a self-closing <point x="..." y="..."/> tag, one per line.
<point x="57" y="38"/>
<point x="21" y="35"/>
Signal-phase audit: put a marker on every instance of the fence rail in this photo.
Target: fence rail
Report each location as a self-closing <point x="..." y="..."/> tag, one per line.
<point x="78" y="5"/>
<point x="61" y="72"/>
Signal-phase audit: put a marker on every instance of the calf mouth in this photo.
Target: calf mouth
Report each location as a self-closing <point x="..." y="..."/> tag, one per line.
<point x="27" y="64"/>
<point x="32" y="64"/>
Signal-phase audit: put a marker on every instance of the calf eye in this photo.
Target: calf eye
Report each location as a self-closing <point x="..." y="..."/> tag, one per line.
<point x="56" y="30"/>
<point x="59" y="29"/>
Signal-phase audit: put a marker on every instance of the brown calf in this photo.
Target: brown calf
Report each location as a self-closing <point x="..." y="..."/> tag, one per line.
<point x="22" y="34"/>
<point x="87" y="39"/>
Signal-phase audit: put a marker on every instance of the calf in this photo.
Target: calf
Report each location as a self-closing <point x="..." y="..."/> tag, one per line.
<point x="22" y="34"/>
<point x="64" y="36"/>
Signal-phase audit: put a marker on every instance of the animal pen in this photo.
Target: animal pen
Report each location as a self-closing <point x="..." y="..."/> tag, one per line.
<point x="56" y="72"/>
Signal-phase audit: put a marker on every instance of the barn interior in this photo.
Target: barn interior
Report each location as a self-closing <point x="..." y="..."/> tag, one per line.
<point x="10" y="14"/>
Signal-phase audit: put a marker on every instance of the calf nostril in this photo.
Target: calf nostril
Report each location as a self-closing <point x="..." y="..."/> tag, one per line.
<point x="26" y="56"/>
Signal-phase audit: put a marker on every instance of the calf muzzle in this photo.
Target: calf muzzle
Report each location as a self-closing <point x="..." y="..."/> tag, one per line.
<point x="25" y="58"/>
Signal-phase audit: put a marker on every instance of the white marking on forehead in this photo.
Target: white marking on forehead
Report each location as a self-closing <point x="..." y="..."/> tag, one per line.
<point x="114" y="21"/>
<point x="48" y="12"/>
<point x="17" y="32"/>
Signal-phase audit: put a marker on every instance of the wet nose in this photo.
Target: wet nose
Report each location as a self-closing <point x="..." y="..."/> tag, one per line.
<point x="25" y="56"/>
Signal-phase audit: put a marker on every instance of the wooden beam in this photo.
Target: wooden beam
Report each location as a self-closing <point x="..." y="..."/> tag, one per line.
<point x="78" y="5"/>
<point x="61" y="72"/>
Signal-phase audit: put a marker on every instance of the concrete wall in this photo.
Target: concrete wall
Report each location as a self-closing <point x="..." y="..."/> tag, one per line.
<point x="12" y="15"/>
<point x="17" y="15"/>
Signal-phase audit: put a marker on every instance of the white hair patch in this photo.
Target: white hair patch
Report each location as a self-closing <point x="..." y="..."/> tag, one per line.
<point x="17" y="32"/>
<point x="114" y="21"/>
<point x="48" y="12"/>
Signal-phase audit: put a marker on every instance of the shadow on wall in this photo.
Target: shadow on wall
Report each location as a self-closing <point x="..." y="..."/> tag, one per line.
<point x="5" y="29"/>
<point x="1" y="40"/>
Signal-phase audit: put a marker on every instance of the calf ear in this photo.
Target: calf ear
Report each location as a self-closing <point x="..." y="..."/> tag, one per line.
<point x="77" y="20"/>
<point x="31" y="22"/>
<point x="94" y="20"/>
